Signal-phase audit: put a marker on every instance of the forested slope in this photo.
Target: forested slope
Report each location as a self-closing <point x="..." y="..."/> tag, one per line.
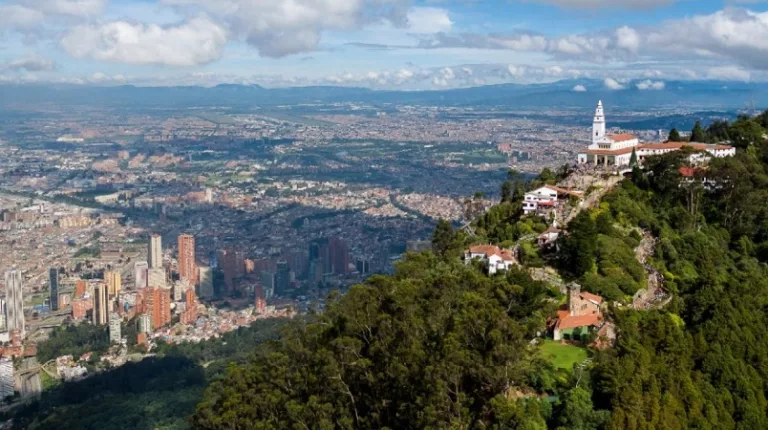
<point x="441" y="345"/>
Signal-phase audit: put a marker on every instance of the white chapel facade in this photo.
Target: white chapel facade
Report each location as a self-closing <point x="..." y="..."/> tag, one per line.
<point x="616" y="150"/>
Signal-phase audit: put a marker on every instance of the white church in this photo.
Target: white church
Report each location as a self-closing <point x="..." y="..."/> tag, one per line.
<point x="616" y="150"/>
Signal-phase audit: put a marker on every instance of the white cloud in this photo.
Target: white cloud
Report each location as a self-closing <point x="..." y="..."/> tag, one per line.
<point x="652" y="73"/>
<point x="439" y="82"/>
<point x="19" y="17"/>
<point x="29" y="64"/>
<point x="428" y="20"/>
<point x="728" y="73"/>
<point x="403" y="74"/>
<point x="650" y="85"/>
<point x="283" y="27"/>
<point x="554" y="71"/>
<point x="731" y="35"/>
<point x="736" y="34"/>
<point x="198" y="41"/>
<point x="612" y="84"/>
<point x="628" y="38"/>
<point x="515" y="71"/>
<point x="580" y="88"/>
<point x="81" y="8"/>
<point x="31" y="16"/>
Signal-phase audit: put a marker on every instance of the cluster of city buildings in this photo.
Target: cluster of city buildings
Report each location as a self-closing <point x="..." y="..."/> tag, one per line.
<point x="156" y="293"/>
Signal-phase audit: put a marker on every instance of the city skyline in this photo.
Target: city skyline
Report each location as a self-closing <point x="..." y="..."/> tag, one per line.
<point x="396" y="44"/>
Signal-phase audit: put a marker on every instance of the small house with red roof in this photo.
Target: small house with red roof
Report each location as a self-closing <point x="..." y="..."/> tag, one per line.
<point x="495" y="258"/>
<point x="580" y="316"/>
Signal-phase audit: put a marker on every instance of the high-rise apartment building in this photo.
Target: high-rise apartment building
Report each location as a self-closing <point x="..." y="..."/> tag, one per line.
<point x="3" y="316"/>
<point x="189" y="316"/>
<point x="232" y="264"/>
<point x="187" y="266"/>
<point x="141" y="274"/>
<point x="114" y="328"/>
<point x="81" y="287"/>
<point x="282" y="277"/>
<point x="53" y="281"/>
<point x="100" y="304"/>
<point x="6" y="377"/>
<point x="155" y="255"/>
<point x="206" y="282"/>
<point x="157" y="303"/>
<point x="14" y="297"/>
<point x="179" y="288"/>
<point x="156" y="278"/>
<point x="114" y="282"/>
<point x="339" y="256"/>
<point x="363" y="266"/>
<point x="145" y="323"/>
<point x="320" y="255"/>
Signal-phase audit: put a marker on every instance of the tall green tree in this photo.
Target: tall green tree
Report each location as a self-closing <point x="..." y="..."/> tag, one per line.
<point x="746" y="132"/>
<point x="633" y="158"/>
<point x="674" y="136"/>
<point x="546" y="177"/>
<point x="506" y="191"/>
<point x="578" y="247"/>
<point x="698" y="134"/>
<point x="718" y="132"/>
<point x="445" y="239"/>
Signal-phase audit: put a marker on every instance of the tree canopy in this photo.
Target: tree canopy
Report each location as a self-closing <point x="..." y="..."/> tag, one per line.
<point x="438" y="345"/>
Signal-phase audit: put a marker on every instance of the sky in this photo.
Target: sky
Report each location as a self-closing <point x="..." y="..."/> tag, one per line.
<point x="383" y="44"/>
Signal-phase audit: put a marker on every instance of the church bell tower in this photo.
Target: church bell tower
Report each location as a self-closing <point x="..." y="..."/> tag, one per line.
<point x="598" y="125"/>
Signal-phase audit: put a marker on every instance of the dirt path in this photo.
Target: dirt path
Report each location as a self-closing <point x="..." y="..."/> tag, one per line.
<point x="654" y="295"/>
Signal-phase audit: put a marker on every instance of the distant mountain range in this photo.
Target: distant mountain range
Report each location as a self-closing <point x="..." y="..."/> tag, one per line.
<point x="694" y="94"/>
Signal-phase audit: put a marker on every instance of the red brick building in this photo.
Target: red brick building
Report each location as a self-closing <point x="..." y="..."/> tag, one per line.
<point x="157" y="303"/>
<point x="80" y="308"/>
<point x="80" y="288"/>
<point x="187" y="265"/>
<point x="189" y="316"/>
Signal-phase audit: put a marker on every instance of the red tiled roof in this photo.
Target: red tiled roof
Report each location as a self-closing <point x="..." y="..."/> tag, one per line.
<point x="579" y="321"/>
<point x="688" y="172"/>
<point x="484" y="249"/>
<point x="591" y="297"/>
<point x="623" y="137"/>
<point x="678" y="145"/>
<point x="507" y="256"/>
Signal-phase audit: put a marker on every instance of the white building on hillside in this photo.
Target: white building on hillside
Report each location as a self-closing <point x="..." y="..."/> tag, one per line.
<point x="546" y="198"/>
<point x="496" y="259"/>
<point x="616" y="150"/>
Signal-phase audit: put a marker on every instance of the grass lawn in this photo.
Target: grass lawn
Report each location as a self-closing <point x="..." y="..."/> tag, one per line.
<point x="562" y="356"/>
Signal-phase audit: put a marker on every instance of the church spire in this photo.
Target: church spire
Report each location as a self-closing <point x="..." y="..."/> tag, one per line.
<point x="598" y="125"/>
